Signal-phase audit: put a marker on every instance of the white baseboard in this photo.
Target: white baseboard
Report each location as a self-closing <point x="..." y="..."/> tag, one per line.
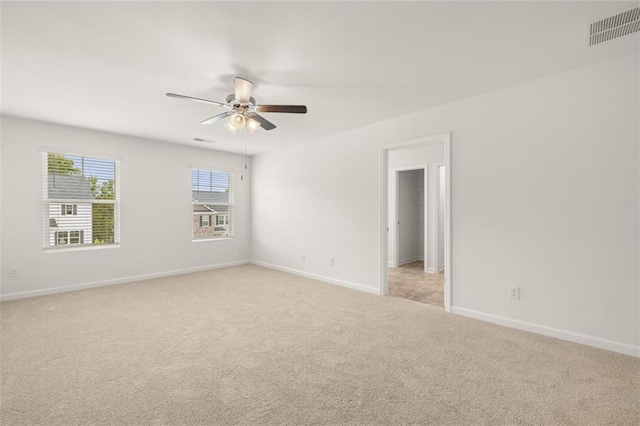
<point x="75" y="287"/>
<point x="322" y="278"/>
<point x="570" y="336"/>
<point x="413" y="259"/>
<point x="431" y="270"/>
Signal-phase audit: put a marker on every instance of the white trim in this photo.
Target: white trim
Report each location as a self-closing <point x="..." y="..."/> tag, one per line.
<point x="435" y="243"/>
<point x="444" y="138"/>
<point x="213" y="169"/>
<point x="322" y="278"/>
<point x="64" y="151"/>
<point x="427" y="140"/>
<point x="570" y="336"/>
<point x="79" y="247"/>
<point x="448" y="299"/>
<point x="411" y="168"/>
<point x="75" y="287"/>
<point x="413" y="259"/>
<point x="68" y="201"/>
<point x="431" y="270"/>
<point x="213" y="239"/>
<point x="383" y="259"/>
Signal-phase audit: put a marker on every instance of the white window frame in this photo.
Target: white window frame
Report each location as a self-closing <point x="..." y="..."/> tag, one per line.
<point x="208" y="219"/>
<point x="46" y="201"/>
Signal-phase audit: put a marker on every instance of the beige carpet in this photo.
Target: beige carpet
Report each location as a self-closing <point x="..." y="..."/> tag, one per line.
<point x="249" y="345"/>
<point x="410" y="281"/>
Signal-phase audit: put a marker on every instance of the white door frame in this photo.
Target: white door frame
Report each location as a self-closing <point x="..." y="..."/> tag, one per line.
<point x="396" y="253"/>
<point x="436" y="198"/>
<point x="444" y="138"/>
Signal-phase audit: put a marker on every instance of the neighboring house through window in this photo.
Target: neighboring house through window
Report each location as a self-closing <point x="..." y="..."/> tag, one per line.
<point x="80" y="199"/>
<point x="212" y="200"/>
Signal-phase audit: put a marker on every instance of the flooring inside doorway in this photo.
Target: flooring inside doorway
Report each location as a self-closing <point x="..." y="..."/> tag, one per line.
<point x="411" y="282"/>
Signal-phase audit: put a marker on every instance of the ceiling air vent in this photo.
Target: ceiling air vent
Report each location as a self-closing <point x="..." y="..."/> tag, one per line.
<point x="204" y="140"/>
<point x="615" y="26"/>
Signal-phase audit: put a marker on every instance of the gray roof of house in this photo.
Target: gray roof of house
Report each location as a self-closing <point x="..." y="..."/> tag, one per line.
<point x="212" y="200"/>
<point x="69" y="187"/>
<point x="210" y="197"/>
<point x="210" y="209"/>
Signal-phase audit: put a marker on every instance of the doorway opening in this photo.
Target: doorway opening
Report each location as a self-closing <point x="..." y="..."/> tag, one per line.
<point x="415" y="231"/>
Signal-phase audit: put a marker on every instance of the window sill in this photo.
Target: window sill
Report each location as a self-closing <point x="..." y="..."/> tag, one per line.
<point x="80" y="247"/>
<point x="211" y="239"/>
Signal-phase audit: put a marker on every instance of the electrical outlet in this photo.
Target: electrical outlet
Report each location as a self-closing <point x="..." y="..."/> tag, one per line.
<point x="332" y="261"/>
<point x="13" y="272"/>
<point x="303" y="258"/>
<point x="514" y="292"/>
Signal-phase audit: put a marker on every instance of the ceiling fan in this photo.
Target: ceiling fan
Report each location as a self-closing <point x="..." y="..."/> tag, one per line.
<point x="243" y="110"/>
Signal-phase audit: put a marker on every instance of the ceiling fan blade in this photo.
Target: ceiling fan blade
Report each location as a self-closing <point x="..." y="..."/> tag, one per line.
<point x="293" y="109"/>
<point x="243" y="89"/>
<point x="174" y="95"/>
<point x="217" y="118"/>
<point x="264" y="123"/>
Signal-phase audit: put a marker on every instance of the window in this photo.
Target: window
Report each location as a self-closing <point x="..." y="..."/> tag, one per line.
<point x="81" y="200"/>
<point x="69" y="209"/>
<point x="69" y="237"/>
<point x="222" y="219"/>
<point x="211" y="196"/>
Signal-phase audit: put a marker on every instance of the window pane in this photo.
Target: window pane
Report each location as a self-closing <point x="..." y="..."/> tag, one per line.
<point x="102" y="219"/>
<point x="212" y="197"/>
<point x="73" y="177"/>
<point x="62" y="237"/>
<point x="71" y="184"/>
<point x="74" y="237"/>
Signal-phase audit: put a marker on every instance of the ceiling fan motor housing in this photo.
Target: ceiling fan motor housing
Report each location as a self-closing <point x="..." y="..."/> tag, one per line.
<point x="232" y="101"/>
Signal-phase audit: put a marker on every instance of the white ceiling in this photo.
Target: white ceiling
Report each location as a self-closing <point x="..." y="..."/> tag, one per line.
<point x="108" y="65"/>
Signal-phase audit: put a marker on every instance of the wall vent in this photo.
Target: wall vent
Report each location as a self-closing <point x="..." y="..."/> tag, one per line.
<point x="615" y="26"/>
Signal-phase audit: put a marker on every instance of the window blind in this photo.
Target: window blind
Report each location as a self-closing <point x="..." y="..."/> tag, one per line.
<point x="212" y="202"/>
<point x="81" y="202"/>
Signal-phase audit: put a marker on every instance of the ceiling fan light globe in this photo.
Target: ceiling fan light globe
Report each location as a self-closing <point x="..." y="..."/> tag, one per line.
<point x="229" y="127"/>
<point x="238" y="121"/>
<point x="252" y="125"/>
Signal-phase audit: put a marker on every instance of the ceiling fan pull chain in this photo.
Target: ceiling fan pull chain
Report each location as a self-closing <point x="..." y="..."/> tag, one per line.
<point x="241" y="160"/>
<point x="243" y="150"/>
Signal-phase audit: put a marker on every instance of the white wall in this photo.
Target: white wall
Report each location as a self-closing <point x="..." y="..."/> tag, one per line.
<point x="156" y="215"/>
<point x="544" y="196"/>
